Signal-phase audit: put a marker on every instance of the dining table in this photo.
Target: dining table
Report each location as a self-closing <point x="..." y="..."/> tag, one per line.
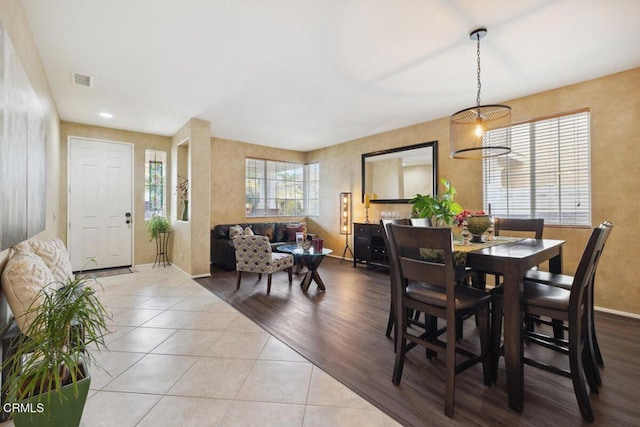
<point x="512" y="258"/>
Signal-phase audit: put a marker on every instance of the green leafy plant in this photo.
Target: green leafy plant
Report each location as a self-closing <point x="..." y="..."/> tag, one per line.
<point x="441" y="208"/>
<point x="157" y="225"/>
<point x="57" y="346"/>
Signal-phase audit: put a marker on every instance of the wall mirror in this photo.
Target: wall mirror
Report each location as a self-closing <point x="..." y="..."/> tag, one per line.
<point x="398" y="174"/>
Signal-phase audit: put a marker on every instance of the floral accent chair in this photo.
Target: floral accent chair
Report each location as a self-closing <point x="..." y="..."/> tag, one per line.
<point x="253" y="255"/>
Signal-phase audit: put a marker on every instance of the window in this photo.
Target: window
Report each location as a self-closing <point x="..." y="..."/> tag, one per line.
<point x="281" y="189"/>
<point x="547" y="173"/>
<point x="154" y="183"/>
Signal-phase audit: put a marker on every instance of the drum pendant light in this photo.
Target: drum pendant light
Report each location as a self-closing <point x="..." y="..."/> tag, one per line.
<point x="469" y="127"/>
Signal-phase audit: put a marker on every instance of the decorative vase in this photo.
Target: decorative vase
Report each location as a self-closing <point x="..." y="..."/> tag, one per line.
<point x="477" y="225"/>
<point x="185" y="210"/>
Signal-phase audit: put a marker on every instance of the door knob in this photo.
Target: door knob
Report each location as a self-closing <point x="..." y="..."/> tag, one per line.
<point x="128" y="214"/>
<point x="128" y="221"/>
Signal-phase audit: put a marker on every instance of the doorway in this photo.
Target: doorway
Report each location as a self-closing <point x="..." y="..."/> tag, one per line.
<point x="99" y="203"/>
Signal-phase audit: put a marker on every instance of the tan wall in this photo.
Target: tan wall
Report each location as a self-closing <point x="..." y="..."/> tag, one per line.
<point x="615" y="175"/>
<point x="144" y="250"/>
<point x="227" y="178"/>
<point x="191" y="238"/>
<point x="15" y="24"/>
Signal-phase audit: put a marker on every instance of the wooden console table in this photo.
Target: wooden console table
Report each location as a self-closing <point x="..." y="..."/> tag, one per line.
<point x="368" y="245"/>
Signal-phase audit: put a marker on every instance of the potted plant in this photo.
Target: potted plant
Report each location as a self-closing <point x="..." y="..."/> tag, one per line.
<point x="48" y="379"/>
<point x="441" y="209"/>
<point x="158" y="225"/>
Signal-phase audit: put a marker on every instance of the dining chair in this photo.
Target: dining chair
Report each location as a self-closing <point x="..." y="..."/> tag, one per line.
<point x="253" y="255"/>
<point x="464" y="275"/>
<point x="535" y="225"/>
<point x="431" y="287"/>
<point x="565" y="281"/>
<point x="390" y="321"/>
<point x="529" y="227"/>
<point x="570" y="306"/>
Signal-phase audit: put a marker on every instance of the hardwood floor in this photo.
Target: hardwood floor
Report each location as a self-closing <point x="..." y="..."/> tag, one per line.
<point x="342" y="332"/>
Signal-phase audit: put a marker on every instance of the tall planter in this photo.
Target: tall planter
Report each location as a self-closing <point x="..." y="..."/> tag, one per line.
<point x="55" y="408"/>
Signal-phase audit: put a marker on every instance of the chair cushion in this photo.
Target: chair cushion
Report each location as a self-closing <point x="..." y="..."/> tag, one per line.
<point x="466" y="297"/>
<point x="563" y="281"/>
<point x="55" y="256"/>
<point x="541" y="295"/>
<point x="24" y="276"/>
<point x="280" y="261"/>
<point x="248" y="232"/>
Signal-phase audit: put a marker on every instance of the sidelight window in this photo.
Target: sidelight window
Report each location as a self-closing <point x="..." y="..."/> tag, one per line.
<point x="154" y="183"/>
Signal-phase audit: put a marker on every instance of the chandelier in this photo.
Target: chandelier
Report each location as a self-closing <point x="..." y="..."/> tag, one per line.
<point x="470" y="127"/>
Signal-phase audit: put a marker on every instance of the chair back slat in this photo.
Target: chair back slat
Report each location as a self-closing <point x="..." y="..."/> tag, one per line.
<point x="535" y="226"/>
<point x="422" y="271"/>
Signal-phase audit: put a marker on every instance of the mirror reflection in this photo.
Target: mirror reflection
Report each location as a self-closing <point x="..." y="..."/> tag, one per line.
<point x="398" y="174"/>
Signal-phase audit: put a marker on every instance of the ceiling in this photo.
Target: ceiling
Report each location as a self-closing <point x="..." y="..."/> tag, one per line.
<point x="305" y="74"/>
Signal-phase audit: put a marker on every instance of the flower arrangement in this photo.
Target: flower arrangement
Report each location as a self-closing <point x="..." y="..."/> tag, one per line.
<point x="465" y="214"/>
<point x="183" y="187"/>
<point x="477" y="223"/>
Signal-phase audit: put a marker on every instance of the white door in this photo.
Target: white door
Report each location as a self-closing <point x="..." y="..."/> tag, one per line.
<point x="99" y="204"/>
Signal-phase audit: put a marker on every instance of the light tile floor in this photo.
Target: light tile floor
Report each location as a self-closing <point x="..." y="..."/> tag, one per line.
<point x="179" y="355"/>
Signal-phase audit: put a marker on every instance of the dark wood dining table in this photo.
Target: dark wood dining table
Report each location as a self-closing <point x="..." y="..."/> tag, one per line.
<point x="512" y="260"/>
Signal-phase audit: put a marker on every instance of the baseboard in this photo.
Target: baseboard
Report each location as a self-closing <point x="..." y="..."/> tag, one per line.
<point x="195" y="276"/>
<point x="617" y="312"/>
<point x="143" y="265"/>
<point x="339" y="257"/>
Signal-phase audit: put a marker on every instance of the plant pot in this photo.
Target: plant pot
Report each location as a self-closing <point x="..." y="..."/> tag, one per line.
<point x="48" y="410"/>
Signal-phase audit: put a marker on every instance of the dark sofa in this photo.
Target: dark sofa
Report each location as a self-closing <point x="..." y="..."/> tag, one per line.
<point x="223" y="253"/>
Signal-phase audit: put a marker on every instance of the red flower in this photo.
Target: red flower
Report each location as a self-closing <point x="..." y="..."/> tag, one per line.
<point x="465" y="214"/>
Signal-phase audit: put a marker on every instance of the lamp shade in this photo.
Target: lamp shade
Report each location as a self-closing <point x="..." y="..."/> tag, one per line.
<point x="469" y="127"/>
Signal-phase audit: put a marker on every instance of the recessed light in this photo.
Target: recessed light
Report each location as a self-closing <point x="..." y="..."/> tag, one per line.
<point x="105" y="115"/>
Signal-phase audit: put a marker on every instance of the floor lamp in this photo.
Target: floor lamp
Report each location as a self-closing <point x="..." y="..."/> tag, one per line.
<point x="345" y="222"/>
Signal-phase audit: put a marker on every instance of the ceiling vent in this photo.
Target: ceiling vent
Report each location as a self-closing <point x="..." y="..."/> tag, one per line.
<point x="82" y="80"/>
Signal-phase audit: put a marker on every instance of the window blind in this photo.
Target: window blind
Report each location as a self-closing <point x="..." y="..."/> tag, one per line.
<point x="547" y="173"/>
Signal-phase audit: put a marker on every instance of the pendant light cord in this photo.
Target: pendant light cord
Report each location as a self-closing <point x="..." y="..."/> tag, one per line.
<point x="479" y="84"/>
